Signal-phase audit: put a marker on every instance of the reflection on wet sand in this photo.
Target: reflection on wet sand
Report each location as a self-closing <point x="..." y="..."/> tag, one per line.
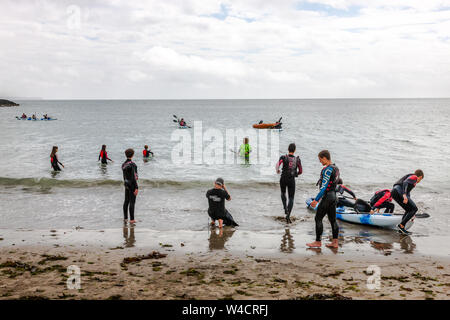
<point x="218" y="237"/>
<point x="128" y="234"/>
<point x="287" y="242"/>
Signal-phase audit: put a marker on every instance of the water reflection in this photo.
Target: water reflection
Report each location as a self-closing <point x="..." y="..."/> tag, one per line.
<point x="128" y="234"/>
<point x="287" y="242"/>
<point x="103" y="168"/>
<point x="218" y="237"/>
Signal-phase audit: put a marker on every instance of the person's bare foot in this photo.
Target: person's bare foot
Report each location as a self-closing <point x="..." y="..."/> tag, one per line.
<point x="315" y="244"/>
<point x="333" y="244"/>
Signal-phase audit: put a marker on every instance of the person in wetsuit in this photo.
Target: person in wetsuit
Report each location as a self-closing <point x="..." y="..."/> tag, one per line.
<point x="33" y="117"/>
<point x="146" y="152"/>
<point x="24" y="116"/>
<point x="401" y="194"/>
<point x="130" y="177"/>
<point x="342" y="201"/>
<point x="245" y="149"/>
<point x="54" y="159"/>
<point x="216" y="202"/>
<point x="292" y="168"/>
<point x="382" y="199"/>
<point x="182" y="122"/>
<point x="103" y="156"/>
<point x="329" y="177"/>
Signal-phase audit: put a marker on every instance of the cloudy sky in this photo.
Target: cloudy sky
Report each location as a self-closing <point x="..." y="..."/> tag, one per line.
<point x="175" y="49"/>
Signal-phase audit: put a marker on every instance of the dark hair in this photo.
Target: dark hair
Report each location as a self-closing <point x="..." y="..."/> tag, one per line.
<point x="129" y="153"/>
<point x="146" y="147"/>
<point x="325" y="154"/>
<point x="292" y="147"/>
<point x="246" y="140"/>
<point x="54" y="150"/>
<point x="419" y="173"/>
<point x="104" y="147"/>
<point x="340" y="181"/>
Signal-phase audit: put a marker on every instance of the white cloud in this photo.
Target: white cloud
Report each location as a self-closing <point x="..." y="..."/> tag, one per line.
<point x="241" y="49"/>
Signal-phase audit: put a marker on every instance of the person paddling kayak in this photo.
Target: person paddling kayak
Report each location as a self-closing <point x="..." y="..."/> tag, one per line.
<point x="329" y="177"/>
<point x="401" y="194"/>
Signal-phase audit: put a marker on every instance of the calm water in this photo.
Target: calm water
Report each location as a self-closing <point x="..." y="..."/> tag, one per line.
<point x="374" y="142"/>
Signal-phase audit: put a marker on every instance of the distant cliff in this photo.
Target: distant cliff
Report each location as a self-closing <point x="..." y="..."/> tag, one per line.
<point x="7" y="103"/>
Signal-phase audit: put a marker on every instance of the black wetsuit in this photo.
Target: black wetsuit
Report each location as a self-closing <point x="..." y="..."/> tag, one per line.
<point x="130" y="178"/>
<point x="292" y="168"/>
<point x="104" y="157"/>
<point x="146" y="153"/>
<point x="341" y="201"/>
<point x="327" y="197"/>
<point x="216" y="210"/>
<point x="401" y="187"/>
<point x="55" y="163"/>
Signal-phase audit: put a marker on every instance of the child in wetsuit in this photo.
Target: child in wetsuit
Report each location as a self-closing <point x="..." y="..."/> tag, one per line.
<point x="130" y="177"/>
<point x="103" y="156"/>
<point x="147" y="152"/>
<point x="54" y="159"/>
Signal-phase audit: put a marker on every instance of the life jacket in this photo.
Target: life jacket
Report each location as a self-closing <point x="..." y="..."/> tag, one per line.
<point x="403" y="179"/>
<point x="378" y="195"/>
<point x="146" y="153"/>
<point x="335" y="175"/>
<point x="292" y="165"/>
<point x="103" y="155"/>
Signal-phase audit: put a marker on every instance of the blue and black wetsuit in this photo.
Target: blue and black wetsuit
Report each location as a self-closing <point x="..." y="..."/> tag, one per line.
<point x="404" y="187"/>
<point x="327" y="197"/>
<point x="130" y="178"/>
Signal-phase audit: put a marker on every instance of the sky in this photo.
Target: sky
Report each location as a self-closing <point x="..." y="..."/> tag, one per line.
<point x="224" y="49"/>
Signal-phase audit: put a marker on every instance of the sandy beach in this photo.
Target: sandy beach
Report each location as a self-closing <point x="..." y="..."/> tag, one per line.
<point x="161" y="265"/>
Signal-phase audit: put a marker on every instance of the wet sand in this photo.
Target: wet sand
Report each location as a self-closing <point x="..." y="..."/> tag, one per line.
<point x="208" y="265"/>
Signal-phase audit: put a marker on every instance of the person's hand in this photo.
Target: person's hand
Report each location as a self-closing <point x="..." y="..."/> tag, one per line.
<point x="136" y="192"/>
<point x="62" y="165"/>
<point x="372" y="212"/>
<point x="278" y="171"/>
<point x="313" y="204"/>
<point x="405" y="199"/>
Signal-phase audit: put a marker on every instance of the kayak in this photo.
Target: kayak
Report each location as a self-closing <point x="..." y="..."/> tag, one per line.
<point x="183" y="127"/>
<point x="31" y="119"/>
<point x="382" y="220"/>
<point x="267" y="126"/>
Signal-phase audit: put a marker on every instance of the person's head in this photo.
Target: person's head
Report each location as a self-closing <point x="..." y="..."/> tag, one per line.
<point x="292" y="147"/>
<point x="324" y="157"/>
<point x="54" y="150"/>
<point x="129" y="153"/>
<point x="419" y="174"/>
<point x="104" y="147"/>
<point x="246" y="140"/>
<point x="146" y="147"/>
<point x="218" y="184"/>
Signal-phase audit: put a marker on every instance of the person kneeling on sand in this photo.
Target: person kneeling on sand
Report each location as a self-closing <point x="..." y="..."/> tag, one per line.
<point x="216" y="200"/>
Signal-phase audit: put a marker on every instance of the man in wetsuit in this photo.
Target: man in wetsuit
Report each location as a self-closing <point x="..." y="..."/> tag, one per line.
<point x="327" y="197"/>
<point x="292" y="168"/>
<point x="216" y="201"/>
<point x="401" y="194"/>
<point x="341" y="201"/>
<point x="130" y="177"/>
<point x="146" y="152"/>
<point x="382" y="199"/>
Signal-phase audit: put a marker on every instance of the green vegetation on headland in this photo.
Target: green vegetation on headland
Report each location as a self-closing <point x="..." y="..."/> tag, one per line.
<point x="7" y="103"/>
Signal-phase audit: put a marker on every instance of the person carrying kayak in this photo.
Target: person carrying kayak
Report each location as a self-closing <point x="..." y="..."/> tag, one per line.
<point x="103" y="156"/>
<point x="382" y="199"/>
<point x="329" y="177"/>
<point x="245" y="149"/>
<point x="130" y="177"/>
<point x="146" y="152"/>
<point x="54" y="159"/>
<point x="342" y="201"/>
<point x="292" y="168"/>
<point x="401" y="194"/>
<point x="216" y="202"/>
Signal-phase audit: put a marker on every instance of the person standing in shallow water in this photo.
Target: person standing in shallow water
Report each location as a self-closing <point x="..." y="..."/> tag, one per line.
<point x="54" y="159"/>
<point x="329" y="178"/>
<point x="130" y="177"/>
<point x="292" y="168"/>
<point x="103" y="156"/>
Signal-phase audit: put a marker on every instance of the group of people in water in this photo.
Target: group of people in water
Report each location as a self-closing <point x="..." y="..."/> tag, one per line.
<point x="33" y="117"/>
<point x="290" y="167"/>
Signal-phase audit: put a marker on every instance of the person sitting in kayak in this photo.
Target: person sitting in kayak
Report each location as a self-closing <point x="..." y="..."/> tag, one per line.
<point x="33" y="117"/>
<point x="146" y="152"/>
<point x="342" y="201"/>
<point x="216" y="201"/>
<point x="245" y="149"/>
<point x="401" y="194"/>
<point x="103" y="155"/>
<point x="45" y="116"/>
<point x="24" y="116"/>
<point x="182" y="122"/>
<point x="382" y="199"/>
